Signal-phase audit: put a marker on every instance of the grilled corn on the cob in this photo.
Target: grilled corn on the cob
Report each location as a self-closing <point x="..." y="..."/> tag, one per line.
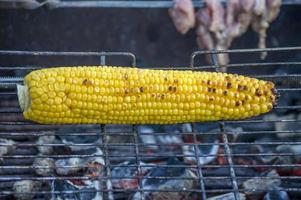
<point x="120" y="95"/>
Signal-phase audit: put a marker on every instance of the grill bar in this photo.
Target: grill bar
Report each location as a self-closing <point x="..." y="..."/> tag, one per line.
<point x="107" y="162"/>
<point x="181" y="166"/>
<point x="199" y="167"/>
<point x="159" y="156"/>
<point x="151" y="144"/>
<point x="151" y="190"/>
<point x="128" y="4"/>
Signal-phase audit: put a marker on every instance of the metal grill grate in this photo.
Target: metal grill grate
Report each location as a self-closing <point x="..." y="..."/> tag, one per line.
<point x="105" y="4"/>
<point x="250" y="158"/>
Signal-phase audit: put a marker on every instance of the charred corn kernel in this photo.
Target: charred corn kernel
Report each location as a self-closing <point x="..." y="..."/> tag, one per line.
<point x="117" y="95"/>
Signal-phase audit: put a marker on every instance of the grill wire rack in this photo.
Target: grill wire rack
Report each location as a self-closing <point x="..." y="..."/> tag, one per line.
<point x="104" y="3"/>
<point x="233" y="169"/>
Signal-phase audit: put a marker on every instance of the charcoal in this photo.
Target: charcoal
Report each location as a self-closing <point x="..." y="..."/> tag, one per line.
<point x="263" y="149"/>
<point x="234" y="133"/>
<point x="289" y="159"/>
<point x="271" y="156"/>
<point x="146" y="134"/>
<point x="21" y="160"/>
<point x="281" y="127"/>
<point x="212" y="183"/>
<point x="133" y="173"/>
<point x="226" y="183"/>
<point x="256" y="186"/>
<point x="288" y="98"/>
<point x="47" y="139"/>
<point x="287" y="184"/>
<point x="44" y="166"/>
<point x="165" y="142"/>
<point x="121" y="153"/>
<point x="7" y="146"/>
<point x="15" y="170"/>
<point x="159" y="140"/>
<point x="224" y="171"/>
<point x="289" y="149"/>
<point x="95" y="168"/>
<point x="68" y="166"/>
<point x="63" y="132"/>
<point x="29" y="4"/>
<point x="206" y="127"/>
<point x="206" y="153"/>
<point x="26" y="189"/>
<point x="179" y="179"/>
<point x="276" y="195"/>
<point x="79" y="190"/>
<point x="113" y="128"/>
<point x="93" y="165"/>
<point x="260" y="126"/>
<point x="6" y="184"/>
<point x="228" y="196"/>
<point x="114" y="135"/>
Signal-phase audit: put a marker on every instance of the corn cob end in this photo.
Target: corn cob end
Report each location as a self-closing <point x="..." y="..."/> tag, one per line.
<point x="23" y="97"/>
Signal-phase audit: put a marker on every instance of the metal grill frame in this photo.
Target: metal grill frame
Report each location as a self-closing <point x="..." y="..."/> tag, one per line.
<point x="118" y="3"/>
<point x="8" y="82"/>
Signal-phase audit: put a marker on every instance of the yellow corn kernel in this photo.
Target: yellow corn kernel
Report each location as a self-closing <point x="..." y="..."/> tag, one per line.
<point x="120" y="95"/>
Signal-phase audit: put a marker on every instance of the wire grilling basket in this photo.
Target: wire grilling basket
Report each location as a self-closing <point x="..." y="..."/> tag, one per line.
<point x="257" y="158"/>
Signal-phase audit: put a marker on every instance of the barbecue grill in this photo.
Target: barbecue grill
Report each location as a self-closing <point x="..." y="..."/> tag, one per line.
<point x="254" y="158"/>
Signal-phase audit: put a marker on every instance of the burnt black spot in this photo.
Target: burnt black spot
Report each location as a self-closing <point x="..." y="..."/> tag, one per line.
<point x="269" y="83"/>
<point x="258" y="92"/>
<point x="228" y="78"/>
<point x="165" y="79"/>
<point x="209" y="82"/>
<point x="211" y="99"/>
<point x="209" y="89"/>
<point x="225" y="92"/>
<point x="126" y="91"/>
<point x="243" y="102"/>
<point x="245" y="87"/>
<point x="170" y="88"/>
<point x="274" y="91"/>
<point x="214" y="90"/>
<point x="153" y="95"/>
<point x="141" y="89"/>
<point x="174" y="89"/>
<point x="87" y="82"/>
<point x="162" y="96"/>
<point x="229" y="85"/>
<point x="237" y="103"/>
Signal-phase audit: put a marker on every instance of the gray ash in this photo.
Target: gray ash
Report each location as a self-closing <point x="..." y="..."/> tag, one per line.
<point x="26" y="189"/>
